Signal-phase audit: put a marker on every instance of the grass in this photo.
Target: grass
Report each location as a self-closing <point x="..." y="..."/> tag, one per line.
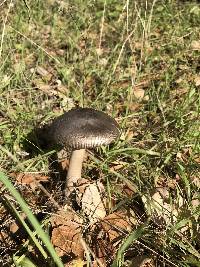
<point x="33" y="221"/>
<point x="99" y="54"/>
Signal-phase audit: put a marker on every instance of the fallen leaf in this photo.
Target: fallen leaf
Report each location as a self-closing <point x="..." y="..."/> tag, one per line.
<point x="197" y="80"/>
<point x="62" y="89"/>
<point x="76" y="263"/>
<point x="63" y="158"/>
<point x="195" y="205"/>
<point x="4" y="235"/>
<point x="14" y="227"/>
<point x="197" y="158"/>
<point x="60" y="52"/>
<point x="43" y="73"/>
<point x="196" y="181"/>
<point x="141" y="261"/>
<point x="195" y="201"/>
<point x="103" y="62"/>
<point x="159" y="207"/>
<point x="117" y="165"/>
<point x="106" y="233"/>
<point x="44" y="87"/>
<point x="92" y="204"/>
<point x="116" y="225"/>
<point x="31" y="179"/>
<point x="67" y="233"/>
<point x="129" y="135"/>
<point x="195" y="45"/>
<point x="138" y="93"/>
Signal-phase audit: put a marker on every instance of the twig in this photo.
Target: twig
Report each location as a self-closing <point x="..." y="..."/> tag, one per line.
<point x="156" y="253"/>
<point x="55" y="203"/>
<point x="88" y="250"/>
<point x="150" y="17"/>
<point x="38" y="46"/>
<point x="127" y="16"/>
<point x="9" y="154"/>
<point x="102" y="25"/>
<point x="1" y="4"/>
<point x="4" y="27"/>
<point x="120" y="53"/>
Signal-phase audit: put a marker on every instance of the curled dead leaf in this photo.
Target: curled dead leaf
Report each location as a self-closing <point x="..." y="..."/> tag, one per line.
<point x="92" y="202"/>
<point x="115" y="226"/>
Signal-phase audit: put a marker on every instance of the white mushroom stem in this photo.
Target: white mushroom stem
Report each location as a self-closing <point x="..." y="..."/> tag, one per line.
<point x="74" y="171"/>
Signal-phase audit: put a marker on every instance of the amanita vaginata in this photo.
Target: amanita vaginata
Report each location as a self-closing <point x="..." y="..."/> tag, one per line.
<point x="80" y="129"/>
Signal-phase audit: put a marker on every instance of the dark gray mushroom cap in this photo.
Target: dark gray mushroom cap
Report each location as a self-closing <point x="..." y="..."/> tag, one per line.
<point x="83" y="128"/>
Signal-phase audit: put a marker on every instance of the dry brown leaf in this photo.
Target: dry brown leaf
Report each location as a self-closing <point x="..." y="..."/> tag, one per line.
<point x="117" y="165"/>
<point x="195" y="45"/>
<point x="160" y="208"/>
<point x="115" y="225"/>
<point x="195" y="205"/>
<point x="197" y="80"/>
<point x="92" y="204"/>
<point x="14" y="227"/>
<point x="196" y="181"/>
<point x="106" y="233"/>
<point x="195" y="201"/>
<point x="67" y="233"/>
<point x="4" y="235"/>
<point x="76" y="263"/>
<point x="46" y="88"/>
<point x="30" y="59"/>
<point x="103" y="250"/>
<point x="138" y="93"/>
<point x="142" y="261"/>
<point x="60" y="52"/>
<point x="82" y="183"/>
<point x="129" y="135"/>
<point x="62" y="89"/>
<point x="197" y="158"/>
<point x="31" y="179"/>
<point x="135" y="107"/>
<point x="43" y="73"/>
<point x="180" y="79"/>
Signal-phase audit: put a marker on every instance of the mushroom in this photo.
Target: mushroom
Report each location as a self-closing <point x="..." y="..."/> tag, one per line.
<point x="80" y="129"/>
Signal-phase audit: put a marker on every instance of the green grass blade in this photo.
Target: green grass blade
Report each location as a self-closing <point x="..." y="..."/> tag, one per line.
<point x="134" y="150"/>
<point x="128" y="241"/>
<point x="32" y="219"/>
<point x="187" y="247"/>
<point x="28" y="230"/>
<point x="23" y="262"/>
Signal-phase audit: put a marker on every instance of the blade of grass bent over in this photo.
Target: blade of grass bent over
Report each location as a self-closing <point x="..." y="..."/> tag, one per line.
<point x="128" y="241"/>
<point x="32" y="219"/>
<point x="28" y="230"/>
